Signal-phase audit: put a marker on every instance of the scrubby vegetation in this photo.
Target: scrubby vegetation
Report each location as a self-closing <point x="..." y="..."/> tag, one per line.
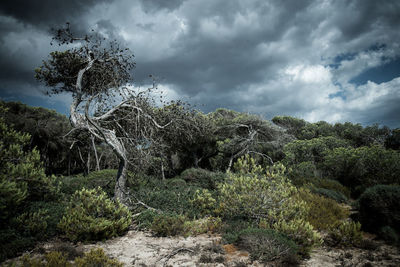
<point x="91" y="215"/>
<point x="278" y="196"/>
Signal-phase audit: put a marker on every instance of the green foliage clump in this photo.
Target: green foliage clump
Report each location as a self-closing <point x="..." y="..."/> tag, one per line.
<point x="254" y="193"/>
<point x="93" y="258"/>
<point x="171" y="224"/>
<point x="104" y="179"/>
<point x="266" y="245"/>
<point x="346" y="234"/>
<point x="311" y="150"/>
<point x="323" y="213"/>
<point x="379" y="207"/>
<point x="91" y="215"/>
<point x="168" y="224"/>
<point x="22" y="182"/>
<point x="171" y="196"/>
<point x="96" y="257"/>
<point x="202" y="226"/>
<point x="363" y="167"/>
<point x="331" y="194"/>
<point x="145" y="219"/>
<point x="32" y="223"/>
<point x="388" y="234"/>
<point x="202" y="178"/>
<point x="300" y="231"/>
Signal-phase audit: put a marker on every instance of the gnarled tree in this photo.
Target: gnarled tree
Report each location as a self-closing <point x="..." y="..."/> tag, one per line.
<point x="97" y="74"/>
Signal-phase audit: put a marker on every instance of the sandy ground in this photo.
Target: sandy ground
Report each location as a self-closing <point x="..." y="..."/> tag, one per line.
<point x="142" y="249"/>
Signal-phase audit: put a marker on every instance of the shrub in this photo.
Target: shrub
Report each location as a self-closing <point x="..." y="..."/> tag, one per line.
<point x="12" y="242"/>
<point x="90" y="215"/>
<point x="388" y="234"/>
<point x="323" y="213"/>
<point x="269" y="196"/>
<point x="266" y="245"/>
<point x="205" y="201"/>
<point x="96" y="257"/>
<point x="104" y="179"/>
<point x="300" y="231"/>
<point x="168" y="224"/>
<point x="332" y="185"/>
<point x="232" y="228"/>
<point x="363" y="167"/>
<point x="346" y="234"/>
<point x="203" y="178"/>
<point x="56" y="258"/>
<point x="202" y="226"/>
<point x="331" y="194"/>
<point x="145" y="219"/>
<point x="32" y="223"/>
<point x="379" y="207"/>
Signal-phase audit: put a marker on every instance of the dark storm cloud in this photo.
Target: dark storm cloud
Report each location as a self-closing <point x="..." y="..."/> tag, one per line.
<point x="269" y="57"/>
<point x="47" y="13"/>
<point x="156" y="5"/>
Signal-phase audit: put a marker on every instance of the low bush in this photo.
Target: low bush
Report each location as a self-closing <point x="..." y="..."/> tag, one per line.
<point x="32" y="223"/>
<point x="346" y="234"/>
<point x="202" y="226"/>
<point x="168" y="224"/>
<point x="145" y="219"/>
<point x="91" y="215"/>
<point x="324" y="213"/>
<point x="104" y="179"/>
<point x="232" y="227"/>
<point x="388" y="234"/>
<point x="94" y="258"/>
<point x="331" y="194"/>
<point x="298" y="230"/>
<point x="12" y="243"/>
<point x="202" y="178"/>
<point x="379" y="207"/>
<point x="266" y="245"/>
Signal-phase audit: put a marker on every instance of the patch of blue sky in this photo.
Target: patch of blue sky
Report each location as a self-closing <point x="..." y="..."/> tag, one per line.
<point x="379" y="74"/>
<point x="36" y="101"/>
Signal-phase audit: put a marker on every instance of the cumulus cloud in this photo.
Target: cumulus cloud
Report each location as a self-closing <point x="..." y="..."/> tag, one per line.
<point x="297" y="58"/>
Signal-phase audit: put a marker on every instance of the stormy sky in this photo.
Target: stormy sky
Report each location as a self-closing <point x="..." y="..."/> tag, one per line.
<point x="319" y="60"/>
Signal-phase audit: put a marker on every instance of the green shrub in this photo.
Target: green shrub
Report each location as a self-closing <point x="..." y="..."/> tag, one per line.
<point x="379" y="207"/>
<point x="96" y="258"/>
<point x="232" y="227"/>
<point x="202" y="226"/>
<point x="203" y="178"/>
<point x="331" y="194"/>
<point x="32" y="223"/>
<point x="266" y="245"/>
<point x="298" y="230"/>
<point x="91" y="215"/>
<point x="56" y="258"/>
<point x="205" y="201"/>
<point x="388" y="234"/>
<point x="346" y="234"/>
<point x="145" y="219"/>
<point x="176" y="183"/>
<point x="54" y="212"/>
<point x="104" y="179"/>
<point x="168" y="224"/>
<point x="12" y="242"/>
<point x="323" y="213"/>
<point x="363" y="167"/>
<point x="173" y="198"/>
